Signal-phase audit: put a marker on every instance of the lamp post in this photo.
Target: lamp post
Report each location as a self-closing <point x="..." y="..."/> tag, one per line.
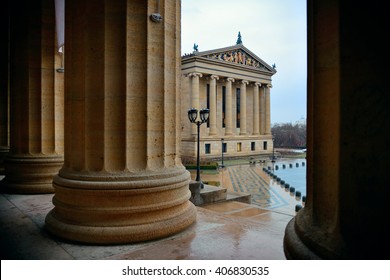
<point x="222" y="166"/>
<point x="273" y="154"/>
<point x="204" y="116"/>
<point x="273" y="149"/>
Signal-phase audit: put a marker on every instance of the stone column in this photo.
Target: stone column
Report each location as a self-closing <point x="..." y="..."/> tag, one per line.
<point x="36" y="113"/>
<point x="229" y="107"/>
<point x="345" y="214"/>
<point x="256" y="110"/>
<point x="243" y="107"/>
<point x="267" y="110"/>
<point x="262" y="110"/>
<point x="213" y="105"/>
<point x="195" y="96"/>
<point x="122" y="180"/>
<point x="4" y="84"/>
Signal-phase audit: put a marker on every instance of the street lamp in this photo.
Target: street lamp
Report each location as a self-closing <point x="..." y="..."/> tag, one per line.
<point x="273" y="149"/>
<point x="273" y="154"/>
<point x="222" y="166"/>
<point x="204" y="116"/>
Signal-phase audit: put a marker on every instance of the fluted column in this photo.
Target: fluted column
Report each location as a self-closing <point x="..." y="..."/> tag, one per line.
<point x="262" y="110"/>
<point x="36" y="112"/>
<point x="213" y="105"/>
<point x="229" y="107"/>
<point x="267" y="109"/>
<point x="4" y="84"/>
<point x="122" y="180"/>
<point x="195" y="96"/>
<point x="256" y="109"/>
<point x="243" y="112"/>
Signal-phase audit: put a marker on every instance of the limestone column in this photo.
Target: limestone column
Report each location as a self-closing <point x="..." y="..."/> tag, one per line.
<point x="36" y="114"/>
<point x="213" y="105"/>
<point x="267" y="110"/>
<point x="229" y="107"/>
<point x="4" y="84"/>
<point x="262" y="110"/>
<point x="122" y="180"/>
<point x="256" y="109"/>
<point x="345" y="215"/>
<point x="243" y="112"/>
<point x="195" y="96"/>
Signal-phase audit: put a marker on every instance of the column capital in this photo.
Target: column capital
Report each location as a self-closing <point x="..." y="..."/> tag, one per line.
<point x="257" y="84"/>
<point x="195" y="74"/>
<point x="214" y="77"/>
<point x="269" y="85"/>
<point x="244" y="82"/>
<point x="230" y="80"/>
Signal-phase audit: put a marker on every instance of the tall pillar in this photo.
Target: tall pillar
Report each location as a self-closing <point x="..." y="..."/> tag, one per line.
<point x="213" y="105"/>
<point x="229" y="107"/>
<point x="195" y="96"/>
<point x="36" y="115"/>
<point x="267" y="110"/>
<point x="256" y="109"/>
<point x="4" y="84"/>
<point x="262" y="110"/>
<point x="347" y="158"/>
<point x="243" y="112"/>
<point x="122" y="180"/>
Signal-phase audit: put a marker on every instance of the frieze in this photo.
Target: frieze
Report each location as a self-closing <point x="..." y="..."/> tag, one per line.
<point x="237" y="56"/>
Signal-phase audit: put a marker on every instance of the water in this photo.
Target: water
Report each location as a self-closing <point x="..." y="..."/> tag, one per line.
<point x="294" y="173"/>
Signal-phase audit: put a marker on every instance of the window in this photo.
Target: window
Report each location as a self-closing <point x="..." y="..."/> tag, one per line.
<point x="265" y="145"/>
<point x="223" y="105"/>
<point x="238" y="99"/>
<point x="239" y="147"/>
<point x="253" y="146"/>
<point x="207" y="148"/>
<point x="224" y="147"/>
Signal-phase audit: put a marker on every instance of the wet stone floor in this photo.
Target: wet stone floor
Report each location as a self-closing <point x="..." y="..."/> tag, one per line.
<point x="229" y="230"/>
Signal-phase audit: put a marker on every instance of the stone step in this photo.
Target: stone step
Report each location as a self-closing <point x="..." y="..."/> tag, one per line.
<point x="212" y="194"/>
<point x="240" y="197"/>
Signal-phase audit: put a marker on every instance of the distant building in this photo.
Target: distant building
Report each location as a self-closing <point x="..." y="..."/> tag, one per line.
<point x="235" y="85"/>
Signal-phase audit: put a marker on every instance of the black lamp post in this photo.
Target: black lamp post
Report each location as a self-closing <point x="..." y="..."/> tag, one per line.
<point x="204" y="116"/>
<point x="222" y="166"/>
<point x="273" y="149"/>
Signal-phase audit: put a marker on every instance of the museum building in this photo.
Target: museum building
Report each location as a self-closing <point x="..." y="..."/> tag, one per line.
<point x="234" y="84"/>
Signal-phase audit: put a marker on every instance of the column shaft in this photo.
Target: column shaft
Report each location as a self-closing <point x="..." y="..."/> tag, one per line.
<point x="267" y="110"/>
<point x="36" y="115"/>
<point x="243" y="112"/>
<point x="262" y="110"/>
<point x="213" y="105"/>
<point x="256" y="109"/>
<point x="195" y="96"/>
<point x="4" y="85"/>
<point x="122" y="180"/>
<point x="229" y="107"/>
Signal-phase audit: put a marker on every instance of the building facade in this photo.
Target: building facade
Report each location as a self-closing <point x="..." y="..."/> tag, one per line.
<point x="234" y="84"/>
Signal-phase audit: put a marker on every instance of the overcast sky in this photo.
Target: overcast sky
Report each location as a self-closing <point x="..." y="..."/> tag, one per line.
<point x="275" y="30"/>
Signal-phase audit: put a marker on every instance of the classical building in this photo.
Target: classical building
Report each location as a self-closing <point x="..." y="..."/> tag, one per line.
<point x="234" y="84"/>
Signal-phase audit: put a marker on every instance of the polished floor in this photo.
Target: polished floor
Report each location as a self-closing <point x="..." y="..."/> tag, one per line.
<point x="227" y="230"/>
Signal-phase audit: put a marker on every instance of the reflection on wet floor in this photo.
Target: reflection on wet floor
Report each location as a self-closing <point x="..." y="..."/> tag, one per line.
<point x="266" y="192"/>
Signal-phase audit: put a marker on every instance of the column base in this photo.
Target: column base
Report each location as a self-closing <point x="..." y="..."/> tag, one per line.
<point x="112" y="209"/>
<point x="30" y="175"/>
<point x="294" y="248"/>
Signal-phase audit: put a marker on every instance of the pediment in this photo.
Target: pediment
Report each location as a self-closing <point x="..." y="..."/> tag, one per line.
<point x="237" y="55"/>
